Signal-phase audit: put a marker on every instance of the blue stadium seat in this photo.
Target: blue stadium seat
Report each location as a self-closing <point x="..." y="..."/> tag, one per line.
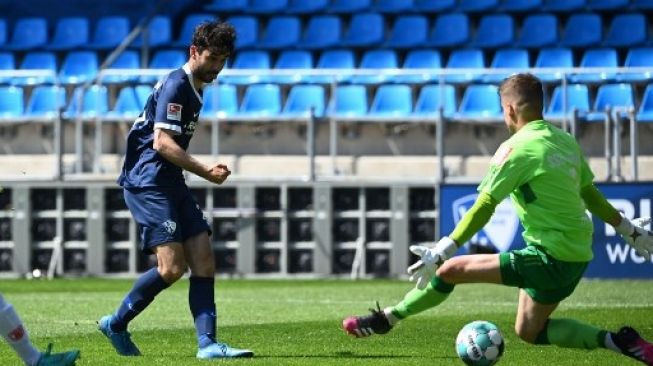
<point x="365" y="30"/>
<point x="605" y="5"/>
<point x="261" y="100"/>
<point x="45" y="102"/>
<point x="302" y="98"/>
<point x="94" y="103"/>
<point x="638" y="58"/>
<point x="281" y="32"/>
<point x="128" y="59"/>
<point x="126" y="106"/>
<point x="432" y="97"/>
<point x="349" y="101"/>
<point x="626" y="30"/>
<point x="449" y="30"/>
<point x="220" y="101"/>
<point x="392" y="101"/>
<point x="563" y="5"/>
<point x="70" y="32"/>
<point x="477" y="6"/>
<point x="143" y="92"/>
<point x="465" y="59"/>
<point x="408" y="31"/>
<point x="433" y="6"/>
<point x="268" y="7"/>
<point x="78" y="67"/>
<point x="159" y="33"/>
<point x="518" y="6"/>
<point x="3" y="33"/>
<point x="577" y="96"/>
<point x="613" y="96"/>
<point x="510" y="58"/>
<point x="7" y="64"/>
<point x="480" y="102"/>
<point x="322" y="31"/>
<point x="642" y="4"/>
<point x="307" y="7"/>
<point x="424" y="59"/>
<point x="342" y="59"/>
<point x="553" y="59"/>
<point x="291" y="60"/>
<point x="28" y="34"/>
<point x="350" y="6"/>
<point x="539" y="30"/>
<point x="393" y="6"/>
<point x="259" y="60"/>
<point x="11" y="103"/>
<point x="164" y="60"/>
<point x="247" y="30"/>
<point x="494" y="31"/>
<point x="226" y="6"/>
<point x="582" y="30"/>
<point x="37" y="60"/>
<point x="645" y="111"/>
<point x="376" y="59"/>
<point x="597" y="57"/>
<point x="109" y="32"/>
<point x="188" y="27"/>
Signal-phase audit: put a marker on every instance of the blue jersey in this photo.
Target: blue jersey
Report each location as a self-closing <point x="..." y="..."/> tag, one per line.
<point x="174" y="105"/>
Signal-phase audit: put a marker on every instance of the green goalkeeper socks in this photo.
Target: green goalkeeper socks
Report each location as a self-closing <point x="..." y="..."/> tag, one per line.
<point x="571" y="333"/>
<point x="417" y="300"/>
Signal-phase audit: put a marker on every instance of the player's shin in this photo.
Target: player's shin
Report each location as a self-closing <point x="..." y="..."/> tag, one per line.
<point x="570" y="333"/>
<point x="12" y="330"/>
<point x="201" y="299"/>
<point x="418" y="300"/>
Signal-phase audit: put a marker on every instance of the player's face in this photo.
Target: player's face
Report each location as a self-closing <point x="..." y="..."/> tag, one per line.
<point x="208" y="64"/>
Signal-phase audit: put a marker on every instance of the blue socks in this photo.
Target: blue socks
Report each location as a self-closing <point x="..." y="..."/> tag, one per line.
<point x="141" y="295"/>
<point x="201" y="298"/>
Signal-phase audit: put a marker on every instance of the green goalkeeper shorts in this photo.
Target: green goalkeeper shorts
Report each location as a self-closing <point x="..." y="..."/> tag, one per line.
<point x="545" y="279"/>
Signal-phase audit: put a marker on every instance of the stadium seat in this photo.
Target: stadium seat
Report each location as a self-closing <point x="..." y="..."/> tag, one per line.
<point x="577" y="96"/>
<point x="365" y="30"/>
<point x="7" y="66"/>
<point x="645" y="111"/>
<point x="94" y="103"/>
<point x="78" y="67"/>
<point x="143" y="92"/>
<point x="261" y="100"/>
<point x="159" y="33"/>
<point x="477" y="6"/>
<point x="424" y="59"/>
<point x="259" y="60"/>
<point x="393" y="6"/>
<point x="350" y="6"/>
<point x="449" y="30"/>
<point x="164" y="60"/>
<point x="392" y="101"/>
<point x="342" y="59"/>
<point x="45" y="102"/>
<point x="126" y="106"/>
<point x="226" y="6"/>
<point x="432" y="97"/>
<point x="349" y="101"/>
<point x="638" y="58"/>
<point x="408" y="31"/>
<point x="128" y="59"/>
<point x="480" y="102"/>
<point x="322" y="31"/>
<point x="291" y="60"/>
<point x="267" y="7"/>
<point x="642" y="4"/>
<point x="518" y="6"/>
<point x="70" y="32"/>
<point x="220" y="101"/>
<point x="582" y="30"/>
<point x="37" y="60"/>
<point x="605" y="5"/>
<point x="465" y="59"/>
<point x="594" y="58"/>
<point x="302" y="98"/>
<point x="307" y="7"/>
<point x="247" y="30"/>
<point x="3" y="33"/>
<point x="626" y="30"/>
<point x="563" y="5"/>
<point x="613" y="96"/>
<point x="109" y="32"/>
<point x="494" y="31"/>
<point x="376" y="59"/>
<point x="433" y="6"/>
<point x="28" y="34"/>
<point x="512" y="58"/>
<point x="281" y="32"/>
<point x="537" y="31"/>
<point x="188" y="27"/>
<point x="550" y="61"/>
<point x="11" y="103"/>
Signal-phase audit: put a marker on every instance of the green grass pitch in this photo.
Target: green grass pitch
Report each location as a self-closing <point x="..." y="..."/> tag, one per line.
<point x="298" y="322"/>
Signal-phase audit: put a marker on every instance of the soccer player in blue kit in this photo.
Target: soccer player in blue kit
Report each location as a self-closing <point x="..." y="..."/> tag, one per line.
<point x="171" y="224"/>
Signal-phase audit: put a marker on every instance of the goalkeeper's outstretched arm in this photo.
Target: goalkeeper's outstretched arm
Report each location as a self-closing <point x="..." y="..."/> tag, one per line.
<point x="598" y="205"/>
<point x="474" y="219"/>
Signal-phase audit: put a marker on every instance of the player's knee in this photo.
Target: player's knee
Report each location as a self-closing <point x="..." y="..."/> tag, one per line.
<point x="450" y="270"/>
<point x="172" y="273"/>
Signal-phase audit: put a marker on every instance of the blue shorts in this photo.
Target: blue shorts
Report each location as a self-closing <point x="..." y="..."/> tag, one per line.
<point x="165" y="215"/>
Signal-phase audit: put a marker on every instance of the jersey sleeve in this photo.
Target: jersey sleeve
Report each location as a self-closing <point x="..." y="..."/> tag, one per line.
<point x="169" y="106"/>
<point x="586" y="175"/>
<point x="510" y="168"/>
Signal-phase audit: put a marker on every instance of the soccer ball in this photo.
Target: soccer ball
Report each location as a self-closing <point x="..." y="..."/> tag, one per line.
<point x="479" y="343"/>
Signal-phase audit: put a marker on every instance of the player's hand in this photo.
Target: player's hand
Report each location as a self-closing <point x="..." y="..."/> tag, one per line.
<point x="218" y="173"/>
<point x="636" y="235"/>
<point x="430" y="260"/>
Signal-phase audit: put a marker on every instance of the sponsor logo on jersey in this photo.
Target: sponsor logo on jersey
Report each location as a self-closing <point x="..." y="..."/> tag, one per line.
<point x="174" y="111"/>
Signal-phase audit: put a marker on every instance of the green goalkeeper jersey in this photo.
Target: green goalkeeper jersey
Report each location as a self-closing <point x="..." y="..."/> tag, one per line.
<point x="543" y="170"/>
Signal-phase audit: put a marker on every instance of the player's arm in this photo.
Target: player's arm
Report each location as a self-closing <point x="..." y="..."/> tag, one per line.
<point x="474" y="219"/>
<point x="599" y="206"/>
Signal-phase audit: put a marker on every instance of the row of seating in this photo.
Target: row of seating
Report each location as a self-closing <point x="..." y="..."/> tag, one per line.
<point x="479" y="102"/>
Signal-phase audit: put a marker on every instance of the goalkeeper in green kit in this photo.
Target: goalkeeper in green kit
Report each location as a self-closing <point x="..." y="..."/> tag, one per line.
<point x="543" y="170"/>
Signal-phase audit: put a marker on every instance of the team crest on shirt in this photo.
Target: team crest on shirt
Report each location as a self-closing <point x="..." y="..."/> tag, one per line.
<point x="170" y="226"/>
<point x="502" y="154"/>
<point x="174" y="111"/>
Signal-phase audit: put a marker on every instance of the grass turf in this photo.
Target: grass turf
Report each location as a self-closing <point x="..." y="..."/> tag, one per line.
<point x="298" y="322"/>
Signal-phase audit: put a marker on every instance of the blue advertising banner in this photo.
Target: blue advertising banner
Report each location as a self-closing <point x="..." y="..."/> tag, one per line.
<point x="613" y="258"/>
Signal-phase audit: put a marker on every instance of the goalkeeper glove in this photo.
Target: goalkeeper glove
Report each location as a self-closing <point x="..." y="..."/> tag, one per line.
<point x="430" y="260"/>
<point x="636" y="235"/>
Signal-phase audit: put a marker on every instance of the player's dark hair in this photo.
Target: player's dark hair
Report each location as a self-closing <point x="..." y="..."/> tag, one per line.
<point x="218" y="37"/>
<point x="525" y="90"/>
